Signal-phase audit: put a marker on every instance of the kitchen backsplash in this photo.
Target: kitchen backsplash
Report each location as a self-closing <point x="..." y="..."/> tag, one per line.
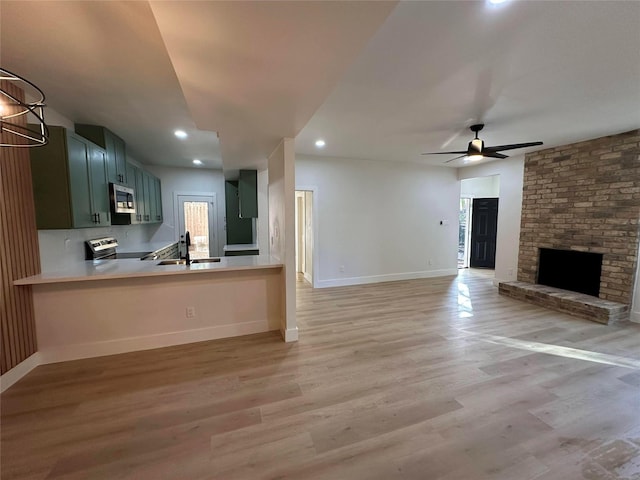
<point x="62" y="248"/>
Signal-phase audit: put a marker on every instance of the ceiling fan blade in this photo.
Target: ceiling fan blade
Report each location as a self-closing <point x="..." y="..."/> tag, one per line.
<point x="444" y="153"/>
<point x="493" y="154"/>
<point x="512" y="146"/>
<point x="457" y="158"/>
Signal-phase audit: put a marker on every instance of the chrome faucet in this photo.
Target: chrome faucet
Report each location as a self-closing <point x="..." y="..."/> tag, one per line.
<point x="185" y="241"/>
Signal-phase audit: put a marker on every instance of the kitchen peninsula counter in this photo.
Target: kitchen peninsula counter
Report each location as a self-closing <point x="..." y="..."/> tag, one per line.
<point x="107" y="307"/>
<point x="131" y="268"/>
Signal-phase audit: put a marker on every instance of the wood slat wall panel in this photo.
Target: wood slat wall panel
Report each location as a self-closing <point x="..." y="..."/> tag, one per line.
<point x="19" y="253"/>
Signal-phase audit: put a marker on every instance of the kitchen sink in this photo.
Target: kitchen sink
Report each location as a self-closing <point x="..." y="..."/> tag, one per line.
<point x="173" y="261"/>
<point x="205" y="260"/>
<point x="182" y="261"/>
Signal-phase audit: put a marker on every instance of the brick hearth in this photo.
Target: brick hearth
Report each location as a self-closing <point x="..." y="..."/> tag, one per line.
<point x="577" y="304"/>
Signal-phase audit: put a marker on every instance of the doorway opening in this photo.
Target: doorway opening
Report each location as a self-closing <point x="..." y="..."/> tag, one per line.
<point x="197" y="215"/>
<point x="464" y="232"/>
<point x="478" y="222"/>
<point x="304" y="235"/>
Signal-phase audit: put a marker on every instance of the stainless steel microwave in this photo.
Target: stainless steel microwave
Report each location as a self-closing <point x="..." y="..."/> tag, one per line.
<point x="122" y="199"/>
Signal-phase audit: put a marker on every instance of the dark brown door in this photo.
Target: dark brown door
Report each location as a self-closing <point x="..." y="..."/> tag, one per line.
<point x="484" y="228"/>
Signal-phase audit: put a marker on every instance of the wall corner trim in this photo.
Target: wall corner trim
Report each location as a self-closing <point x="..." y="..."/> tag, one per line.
<point x="290" y="334"/>
<point x="12" y="376"/>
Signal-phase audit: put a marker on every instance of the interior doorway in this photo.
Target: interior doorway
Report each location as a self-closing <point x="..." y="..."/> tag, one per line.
<point x="478" y="222"/>
<point x="304" y="234"/>
<point x="464" y="232"/>
<point x="197" y="215"/>
<point x="484" y="233"/>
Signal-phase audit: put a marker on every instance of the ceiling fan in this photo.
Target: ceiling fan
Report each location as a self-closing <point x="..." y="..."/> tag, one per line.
<point x="477" y="151"/>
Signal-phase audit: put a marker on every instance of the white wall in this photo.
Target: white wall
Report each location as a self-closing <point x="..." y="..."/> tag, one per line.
<point x="380" y="221"/>
<point x="481" y="187"/>
<point x="510" y="172"/>
<point x="188" y="180"/>
<point x="282" y="228"/>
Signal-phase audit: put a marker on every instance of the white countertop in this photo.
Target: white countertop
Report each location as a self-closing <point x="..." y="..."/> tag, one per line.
<point x="144" y="248"/>
<point x="130" y="268"/>
<point x="240" y="247"/>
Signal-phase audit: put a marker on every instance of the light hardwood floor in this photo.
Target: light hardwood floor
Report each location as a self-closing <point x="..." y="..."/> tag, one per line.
<point x="424" y="379"/>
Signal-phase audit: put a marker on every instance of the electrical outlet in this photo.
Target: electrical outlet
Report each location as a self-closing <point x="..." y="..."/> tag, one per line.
<point x="342" y="268"/>
<point x="191" y="312"/>
<point x="430" y="262"/>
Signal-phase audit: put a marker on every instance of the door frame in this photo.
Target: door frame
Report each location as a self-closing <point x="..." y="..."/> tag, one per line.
<point x="315" y="274"/>
<point x="467" y="235"/>
<point x="176" y="216"/>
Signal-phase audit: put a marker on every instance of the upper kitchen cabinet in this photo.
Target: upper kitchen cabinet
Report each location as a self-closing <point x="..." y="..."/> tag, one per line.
<point x="158" y="197"/>
<point x="70" y="183"/>
<point x="248" y="194"/>
<point x="239" y="230"/>
<point x="151" y="198"/>
<point x="114" y="146"/>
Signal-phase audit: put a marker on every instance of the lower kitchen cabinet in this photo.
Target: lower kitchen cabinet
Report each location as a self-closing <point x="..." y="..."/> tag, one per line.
<point x="70" y="183"/>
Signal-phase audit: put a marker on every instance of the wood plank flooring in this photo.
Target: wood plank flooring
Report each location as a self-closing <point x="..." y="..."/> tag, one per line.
<point x="424" y="379"/>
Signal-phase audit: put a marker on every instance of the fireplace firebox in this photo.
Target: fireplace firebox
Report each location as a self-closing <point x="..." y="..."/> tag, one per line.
<point x="570" y="270"/>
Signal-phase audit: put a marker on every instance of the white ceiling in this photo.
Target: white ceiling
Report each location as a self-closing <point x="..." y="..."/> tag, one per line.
<point x="556" y="72"/>
<point x="375" y="80"/>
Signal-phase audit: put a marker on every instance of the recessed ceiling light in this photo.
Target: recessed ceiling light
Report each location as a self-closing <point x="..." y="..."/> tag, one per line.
<point x="496" y="2"/>
<point x="197" y="162"/>
<point x="320" y="143"/>
<point x="180" y="134"/>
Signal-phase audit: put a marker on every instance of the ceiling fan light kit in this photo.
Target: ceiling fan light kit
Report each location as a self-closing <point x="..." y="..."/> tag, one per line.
<point x="477" y="151"/>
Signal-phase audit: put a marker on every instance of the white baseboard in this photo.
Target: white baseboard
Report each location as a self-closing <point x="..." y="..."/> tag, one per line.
<point x="133" y="344"/>
<point x="308" y="278"/>
<point x="16" y="373"/>
<point x="635" y="317"/>
<point x="391" y="277"/>
<point x="290" y="334"/>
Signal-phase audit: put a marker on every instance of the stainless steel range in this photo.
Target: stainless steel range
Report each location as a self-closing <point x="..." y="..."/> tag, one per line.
<point x="105" y="249"/>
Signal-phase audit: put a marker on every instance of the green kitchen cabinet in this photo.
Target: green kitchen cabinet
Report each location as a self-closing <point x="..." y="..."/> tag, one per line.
<point x="146" y="199"/>
<point x="113" y="145"/>
<point x="142" y="206"/>
<point x="239" y="230"/>
<point x="151" y="198"/>
<point x="248" y="194"/>
<point x="158" y="199"/>
<point x="130" y="168"/>
<point x="70" y="183"/>
<point x="133" y="173"/>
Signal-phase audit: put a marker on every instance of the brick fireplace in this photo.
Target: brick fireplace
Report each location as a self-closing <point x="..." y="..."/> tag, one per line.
<point x="585" y="197"/>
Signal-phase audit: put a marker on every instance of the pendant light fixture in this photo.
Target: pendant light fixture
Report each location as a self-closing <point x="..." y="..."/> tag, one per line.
<point x="15" y="112"/>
